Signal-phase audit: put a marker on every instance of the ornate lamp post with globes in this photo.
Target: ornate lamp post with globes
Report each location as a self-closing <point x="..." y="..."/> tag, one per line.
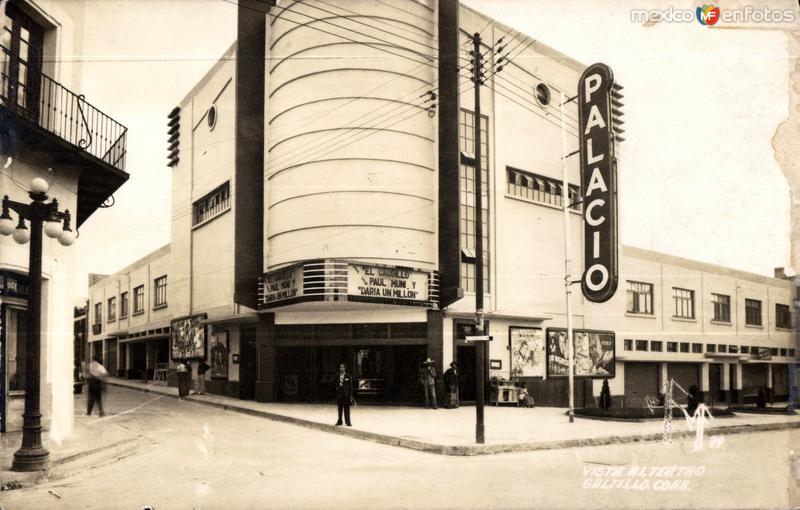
<point x="32" y="456"/>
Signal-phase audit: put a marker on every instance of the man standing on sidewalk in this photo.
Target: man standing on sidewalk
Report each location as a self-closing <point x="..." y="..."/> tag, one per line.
<point x="344" y="394"/>
<point x="428" y="379"/>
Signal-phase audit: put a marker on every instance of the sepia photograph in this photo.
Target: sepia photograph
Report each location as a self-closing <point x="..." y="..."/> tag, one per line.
<point x="399" y="254"/>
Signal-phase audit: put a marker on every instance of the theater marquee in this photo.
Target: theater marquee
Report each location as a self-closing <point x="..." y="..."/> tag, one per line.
<point x="337" y="280"/>
<point x="599" y="183"/>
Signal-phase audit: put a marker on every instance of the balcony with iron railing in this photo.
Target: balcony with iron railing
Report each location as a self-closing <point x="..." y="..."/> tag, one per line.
<point x="39" y="113"/>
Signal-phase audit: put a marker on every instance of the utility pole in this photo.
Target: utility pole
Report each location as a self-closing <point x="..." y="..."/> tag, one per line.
<point x="480" y="346"/>
<point x="567" y="262"/>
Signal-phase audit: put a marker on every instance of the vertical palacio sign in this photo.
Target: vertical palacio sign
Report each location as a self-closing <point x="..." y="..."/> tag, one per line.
<point x="599" y="183"/>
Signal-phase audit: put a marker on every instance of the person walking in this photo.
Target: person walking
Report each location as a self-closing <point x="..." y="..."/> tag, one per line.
<point x="451" y="384"/>
<point x="428" y="379"/>
<point x="95" y="377"/>
<point x="344" y="394"/>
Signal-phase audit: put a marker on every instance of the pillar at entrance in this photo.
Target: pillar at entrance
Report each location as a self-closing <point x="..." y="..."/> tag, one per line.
<point x="725" y="383"/>
<point x="704" y="376"/>
<point x="770" y="393"/>
<point x="736" y="391"/>
<point x="664" y="374"/>
<point x="265" y="349"/>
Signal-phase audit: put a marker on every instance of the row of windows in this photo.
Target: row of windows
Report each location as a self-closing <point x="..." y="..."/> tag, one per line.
<point x="697" y="348"/>
<point x="540" y="189"/>
<point x="159" y="301"/>
<point x="640" y="300"/>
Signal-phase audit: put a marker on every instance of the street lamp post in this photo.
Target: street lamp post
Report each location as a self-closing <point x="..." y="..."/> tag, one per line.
<point x="42" y="215"/>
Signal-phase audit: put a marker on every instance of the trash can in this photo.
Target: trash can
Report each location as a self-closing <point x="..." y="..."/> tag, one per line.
<point x="184" y="383"/>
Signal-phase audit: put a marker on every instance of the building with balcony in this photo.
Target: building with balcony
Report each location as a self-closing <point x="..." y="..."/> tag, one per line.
<point x="48" y="130"/>
<point x="323" y="212"/>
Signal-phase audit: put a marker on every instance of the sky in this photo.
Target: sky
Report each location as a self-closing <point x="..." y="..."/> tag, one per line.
<point x="698" y="177"/>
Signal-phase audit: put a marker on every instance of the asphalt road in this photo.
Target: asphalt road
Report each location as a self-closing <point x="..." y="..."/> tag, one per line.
<point x="193" y="456"/>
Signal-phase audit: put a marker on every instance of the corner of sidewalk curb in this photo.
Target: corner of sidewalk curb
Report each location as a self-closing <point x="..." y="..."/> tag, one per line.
<point x="466" y="450"/>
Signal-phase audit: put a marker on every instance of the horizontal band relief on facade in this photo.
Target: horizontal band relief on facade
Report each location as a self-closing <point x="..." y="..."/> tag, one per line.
<point x="358" y="136"/>
<point x="343" y="118"/>
<point x="383" y="148"/>
<point x="352" y="209"/>
<point x="387" y="245"/>
<point x="366" y="20"/>
<point x="359" y="176"/>
<point x="351" y="81"/>
<point x="317" y="56"/>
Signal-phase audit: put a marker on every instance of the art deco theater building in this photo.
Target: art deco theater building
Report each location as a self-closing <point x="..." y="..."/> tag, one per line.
<point x="323" y="211"/>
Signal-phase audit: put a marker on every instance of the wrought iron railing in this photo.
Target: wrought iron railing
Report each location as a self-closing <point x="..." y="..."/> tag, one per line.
<point x="40" y="99"/>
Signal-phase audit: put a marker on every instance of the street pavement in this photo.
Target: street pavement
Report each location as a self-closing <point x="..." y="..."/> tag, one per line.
<point x="508" y="428"/>
<point x="194" y="456"/>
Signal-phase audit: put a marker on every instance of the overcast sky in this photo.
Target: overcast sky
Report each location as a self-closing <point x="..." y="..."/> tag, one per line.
<point x="698" y="176"/>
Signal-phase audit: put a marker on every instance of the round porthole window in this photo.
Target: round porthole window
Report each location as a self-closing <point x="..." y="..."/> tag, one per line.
<point x="543" y="94"/>
<point x="211" y="117"/>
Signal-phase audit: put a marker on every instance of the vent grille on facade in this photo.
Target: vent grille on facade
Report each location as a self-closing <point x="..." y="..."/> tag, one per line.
<point x="174" y="132"/>
<point x="616" y="112"/>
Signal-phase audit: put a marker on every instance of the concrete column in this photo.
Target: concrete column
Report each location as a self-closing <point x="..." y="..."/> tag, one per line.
<point x="725" y="383"/>
<point x="265" y="352"/>
<point x="704" y="381"/>
<point x="770" y="393"/>
<point x="436" y="348"/>
<point x="664" y="374"/>
<point x="736" y="391"/>
<point x="704" y="376"/>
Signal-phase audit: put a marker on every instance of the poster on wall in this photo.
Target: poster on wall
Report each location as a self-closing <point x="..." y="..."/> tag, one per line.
<point x="188" y="338"/>
<point x="218" y="358"/>
<point x="593" y="352"/>
<point x="527" y="352"/>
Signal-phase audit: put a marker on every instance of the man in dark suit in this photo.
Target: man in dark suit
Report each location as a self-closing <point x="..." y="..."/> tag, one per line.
<point x="344" y="394"/>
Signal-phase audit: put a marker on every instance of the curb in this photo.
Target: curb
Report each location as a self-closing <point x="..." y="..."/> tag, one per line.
<point x="469" y="450"/>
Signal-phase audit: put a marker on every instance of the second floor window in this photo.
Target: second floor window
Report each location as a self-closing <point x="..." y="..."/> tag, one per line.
<point x="722" y="307"/>
<point x="160" y="291"/>
<point x="123" y="305"/>
<point x="752" y="312"/>
<point x="783" y="316"/>
<point x="640" y="297"/>
<point x="98" y="313"/>
<point x="213" y="204"/>
<point x="683" y="301"/>
<point x="538" y="188"/>
<point x="138" y="299"/>
<point x="112" y="309"/>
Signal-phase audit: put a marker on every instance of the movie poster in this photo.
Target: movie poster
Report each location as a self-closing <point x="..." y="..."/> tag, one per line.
<point x="188" y="338"/>
<point x="218" y="358"/>
<point x="527" y="352"/>
<point x="593" y="353"/>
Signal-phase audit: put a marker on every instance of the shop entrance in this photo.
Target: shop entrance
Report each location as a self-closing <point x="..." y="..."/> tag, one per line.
<point x="138" y="361"/>
<point x="715" y="384"/>
<point x="641" y="380"/>
<point x="381" y="373"/>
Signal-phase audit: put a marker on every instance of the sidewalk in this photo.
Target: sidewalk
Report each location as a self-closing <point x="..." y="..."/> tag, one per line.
<point x="452" y="431"/>
<point x="92" y="442"/>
